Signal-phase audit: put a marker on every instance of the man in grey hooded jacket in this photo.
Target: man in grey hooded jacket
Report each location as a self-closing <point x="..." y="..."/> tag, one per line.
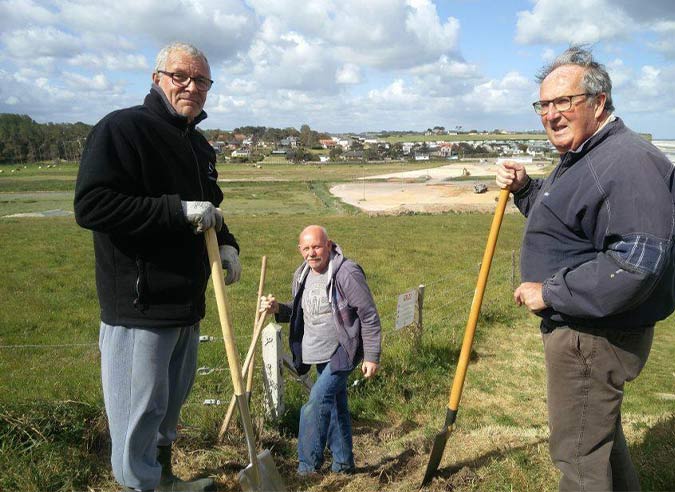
<point x="334" y="324"/>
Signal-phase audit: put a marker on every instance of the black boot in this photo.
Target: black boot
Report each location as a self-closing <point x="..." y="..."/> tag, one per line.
<point x="170" y="482"/>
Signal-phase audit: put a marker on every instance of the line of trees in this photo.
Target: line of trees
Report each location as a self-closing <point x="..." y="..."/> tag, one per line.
<point x="23" y="140"/>
<point x="307" y="137"/>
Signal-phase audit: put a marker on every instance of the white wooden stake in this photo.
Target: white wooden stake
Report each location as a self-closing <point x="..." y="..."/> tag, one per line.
<point x="272" y="353"/>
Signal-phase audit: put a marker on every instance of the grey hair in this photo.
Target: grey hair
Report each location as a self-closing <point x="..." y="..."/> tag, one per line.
<point x="596" y="79"/>
<point x="163" y="55"/>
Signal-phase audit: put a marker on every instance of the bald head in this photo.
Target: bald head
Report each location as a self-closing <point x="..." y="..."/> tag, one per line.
<point x="315" y="247"/>
<point x="316" y="231"/>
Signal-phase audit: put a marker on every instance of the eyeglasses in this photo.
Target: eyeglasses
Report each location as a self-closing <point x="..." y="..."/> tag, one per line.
<point x="563" y="103"/>
<point x="182" y="80"/>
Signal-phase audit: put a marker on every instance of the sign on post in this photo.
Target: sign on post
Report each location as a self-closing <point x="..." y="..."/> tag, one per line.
<point x="406" y="309"/>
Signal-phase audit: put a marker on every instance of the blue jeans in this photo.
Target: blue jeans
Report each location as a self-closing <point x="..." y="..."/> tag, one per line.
<point x="325" y="420"/>
<point x="146" y="375"/>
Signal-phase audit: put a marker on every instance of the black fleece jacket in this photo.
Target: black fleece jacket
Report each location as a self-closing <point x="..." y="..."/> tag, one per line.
<point x="138" y="164"/>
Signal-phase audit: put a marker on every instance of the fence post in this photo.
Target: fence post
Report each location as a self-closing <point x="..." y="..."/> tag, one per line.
<point x="272" y="353"/>
<point x="420" y="308"/>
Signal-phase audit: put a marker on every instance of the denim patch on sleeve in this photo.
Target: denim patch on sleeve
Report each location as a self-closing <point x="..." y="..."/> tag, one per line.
<point x="640" y="253"/>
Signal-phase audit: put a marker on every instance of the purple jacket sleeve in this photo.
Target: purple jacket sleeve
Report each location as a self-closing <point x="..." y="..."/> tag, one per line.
<point x="360" y="298"/>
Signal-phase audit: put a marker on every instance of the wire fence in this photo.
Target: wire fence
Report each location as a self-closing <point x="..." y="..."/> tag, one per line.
<point x="447" y="299"/>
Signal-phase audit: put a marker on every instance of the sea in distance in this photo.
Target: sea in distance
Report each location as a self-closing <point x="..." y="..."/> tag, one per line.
<point x="667" y="147"/>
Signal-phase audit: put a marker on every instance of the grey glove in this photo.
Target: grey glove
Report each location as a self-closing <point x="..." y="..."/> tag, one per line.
<point x="229" y="258"/>
<point x="202" y="216"/>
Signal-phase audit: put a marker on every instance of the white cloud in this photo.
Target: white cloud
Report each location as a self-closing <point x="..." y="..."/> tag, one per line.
<point x="110" y="61"/>
<point x="548" y="55"/>
<point x="649" y="83"/>
<point x="666" y="42"/>
<point x="587" y="21"/>
<point x="647" y="89"/>
<point x="334" y="64"/>
<point x="619" y="73"/>
<point x="294" y="62"/>
<point x="393" y="33"/>
<point x="664" y="26"/>
<point x="36" y="42"/>
<point x="85" y="84"/>
<point x="378" y="33"/>
<point x="647" y="12"/>
<point x="396" y="94"/>
<point x="348" y="74"/>
<point x="24" y="12"/>
<point x="509" y="95"/>
<point x="446" y="77"/>
<point x="220" y="27"/>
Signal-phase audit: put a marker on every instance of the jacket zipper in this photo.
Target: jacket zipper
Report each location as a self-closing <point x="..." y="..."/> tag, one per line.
<point x="140" y="286"/>
<point x="205" y="266"/>
<point x="194" y="155"/>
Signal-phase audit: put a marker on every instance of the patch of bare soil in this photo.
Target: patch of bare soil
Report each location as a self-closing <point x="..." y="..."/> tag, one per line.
<point x="390" y="457"/>
<point x="396" y="198"/>
<point x="433" y="190"/>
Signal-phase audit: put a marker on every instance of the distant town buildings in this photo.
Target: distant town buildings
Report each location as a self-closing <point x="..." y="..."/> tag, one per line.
<point x="450" y="145"/>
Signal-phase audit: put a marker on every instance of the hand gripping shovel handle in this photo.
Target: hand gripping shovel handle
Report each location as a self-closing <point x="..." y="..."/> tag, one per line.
<point x="230" y="346"/>
<point x="247" y="371"/>
<point x="463" y="363"/>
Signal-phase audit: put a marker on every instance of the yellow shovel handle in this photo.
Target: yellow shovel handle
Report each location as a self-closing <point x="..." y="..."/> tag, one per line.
<point x="463" y="363"/>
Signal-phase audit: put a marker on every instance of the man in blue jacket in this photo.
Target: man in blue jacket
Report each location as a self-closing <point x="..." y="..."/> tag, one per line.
<point x="147" y="187"/>
<point x="334" y="325"/>
<point x="597" y="266"/>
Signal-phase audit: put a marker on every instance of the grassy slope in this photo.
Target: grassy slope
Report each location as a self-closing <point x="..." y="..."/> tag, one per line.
<point x="52" y="427"/>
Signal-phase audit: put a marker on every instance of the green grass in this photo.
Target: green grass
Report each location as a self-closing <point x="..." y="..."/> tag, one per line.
<point x="52" y="423"/>
<point x="316" y="171"/>
<point x="35" y="201"/>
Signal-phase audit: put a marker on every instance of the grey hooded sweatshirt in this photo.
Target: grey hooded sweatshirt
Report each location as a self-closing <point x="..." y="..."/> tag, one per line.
<point x="354" y="313"/>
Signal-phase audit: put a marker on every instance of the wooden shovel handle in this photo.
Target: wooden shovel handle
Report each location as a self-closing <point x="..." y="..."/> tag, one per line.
<point x="463" y="363"/>
<point x="248" y="369"/>
<point x="223" y="312"/>
<point x="261" y="288"/>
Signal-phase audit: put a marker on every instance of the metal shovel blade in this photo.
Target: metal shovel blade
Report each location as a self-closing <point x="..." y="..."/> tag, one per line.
<point x="269" y="479"/>
<point x="439" y="446"/>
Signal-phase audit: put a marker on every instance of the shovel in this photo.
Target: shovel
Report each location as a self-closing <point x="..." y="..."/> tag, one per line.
<point x="247" y="371"/>
<point x="460" y="373"/>
<point x="261" y="474"/>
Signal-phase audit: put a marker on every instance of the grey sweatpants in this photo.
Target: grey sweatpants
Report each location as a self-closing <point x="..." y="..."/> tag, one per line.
<point x="586" y="372"/>
<point x="146" y="374"/>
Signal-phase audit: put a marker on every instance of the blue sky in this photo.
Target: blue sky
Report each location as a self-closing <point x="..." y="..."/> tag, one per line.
<point x="337" y="65"/>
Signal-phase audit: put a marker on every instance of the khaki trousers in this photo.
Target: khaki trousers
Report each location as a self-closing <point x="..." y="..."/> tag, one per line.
<point x="586" y="371"/>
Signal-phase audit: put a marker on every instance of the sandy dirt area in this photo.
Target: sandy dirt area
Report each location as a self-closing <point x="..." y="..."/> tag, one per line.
<point x="423" y="190"/>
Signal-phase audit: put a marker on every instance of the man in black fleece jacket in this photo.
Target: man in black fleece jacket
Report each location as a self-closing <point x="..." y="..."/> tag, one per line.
<point x="147" y="188"/>
<point x="597" y="266"/>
